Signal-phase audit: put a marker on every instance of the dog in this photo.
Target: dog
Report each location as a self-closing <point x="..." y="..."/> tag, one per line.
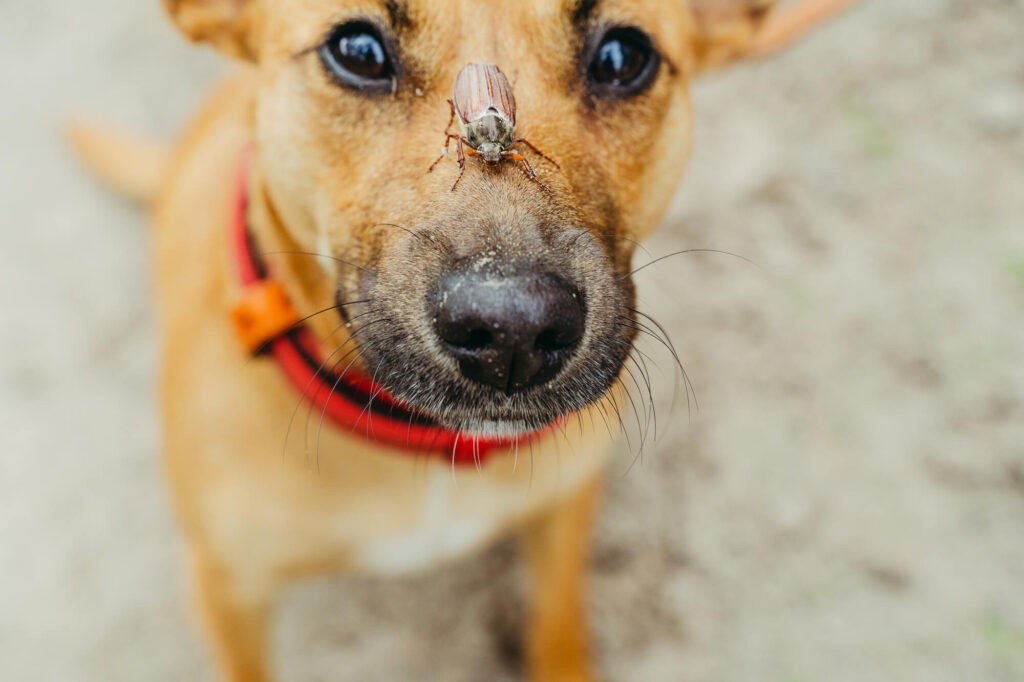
<point x="358" y="356"/>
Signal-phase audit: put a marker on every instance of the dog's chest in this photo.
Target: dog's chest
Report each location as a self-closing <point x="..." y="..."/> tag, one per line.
<point x="442" y="530"/>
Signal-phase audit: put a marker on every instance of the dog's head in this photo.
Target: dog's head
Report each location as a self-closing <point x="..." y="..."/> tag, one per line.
<point x="506" y="303"/>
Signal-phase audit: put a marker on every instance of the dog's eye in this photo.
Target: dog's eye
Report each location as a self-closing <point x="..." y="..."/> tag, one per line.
<point x="355" y="55"/>
<point x="622" y="64"/>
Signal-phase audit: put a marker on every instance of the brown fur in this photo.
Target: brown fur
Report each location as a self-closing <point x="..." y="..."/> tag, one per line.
<point x="329" y="168"/>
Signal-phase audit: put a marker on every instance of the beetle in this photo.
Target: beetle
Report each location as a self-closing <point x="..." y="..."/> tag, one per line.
<point x="483" y="101"/>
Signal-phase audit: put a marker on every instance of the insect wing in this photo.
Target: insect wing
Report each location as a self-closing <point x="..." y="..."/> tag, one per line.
<point x="480" y="87"/>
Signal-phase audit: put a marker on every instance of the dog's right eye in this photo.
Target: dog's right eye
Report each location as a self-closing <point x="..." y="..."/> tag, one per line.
<point x="622" y="63"/>
<point x="355" y="54"/>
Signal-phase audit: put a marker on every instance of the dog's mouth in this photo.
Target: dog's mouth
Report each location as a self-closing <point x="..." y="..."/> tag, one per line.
<point x="495" y="429"/>
<point x="433" y="384"/>
<point x="446" y="397"/>
<point x="496" y="347"/>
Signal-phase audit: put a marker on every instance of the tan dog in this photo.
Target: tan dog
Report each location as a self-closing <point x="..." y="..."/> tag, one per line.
<point x="341" y="113"/>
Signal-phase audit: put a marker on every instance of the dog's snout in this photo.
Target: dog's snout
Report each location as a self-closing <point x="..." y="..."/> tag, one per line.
<point x="509" y="332"/>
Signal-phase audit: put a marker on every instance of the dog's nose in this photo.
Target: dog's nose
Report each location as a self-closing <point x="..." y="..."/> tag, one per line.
<point x="509" y="332"/>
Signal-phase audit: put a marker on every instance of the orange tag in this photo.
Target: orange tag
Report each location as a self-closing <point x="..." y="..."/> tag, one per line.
<point x="263" y="314"/>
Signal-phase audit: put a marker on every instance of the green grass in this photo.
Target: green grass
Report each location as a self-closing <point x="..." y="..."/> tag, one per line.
<point x="874" y="137"/>
<point x="1014" y="267"/>
<point x="1004" y="641"/>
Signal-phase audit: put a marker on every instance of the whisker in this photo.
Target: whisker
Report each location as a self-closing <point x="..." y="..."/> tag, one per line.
<point x="686" y="251"/>
<point x="650" y="393"/>
<point x="455" y="448"/>
<point x="603" y="411"/>
<point x="313" y="254"/>
<point x="529" y="486"/>
<point x="645" y="429"/>
<point x="323" y="413"/>
<point x="369" y="403"/>
<point x="636" y="325"/>
<point x="441" y="246"/>
<point x="298" y="324"/>
<point x="678" y="364"/>
<point x="641" y="435"/>
<point x="309" y="412"/>
<point x="686" y="376"/>
<point x="617" y="411"/>
<point x="624" y="238"/>
<point x="309" y="384"/>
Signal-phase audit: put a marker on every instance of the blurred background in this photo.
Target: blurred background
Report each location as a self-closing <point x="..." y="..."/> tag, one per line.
<point x="847" y="505"/>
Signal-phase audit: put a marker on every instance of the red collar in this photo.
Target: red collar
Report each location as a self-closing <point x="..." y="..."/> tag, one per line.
<point x="352" y="401"/>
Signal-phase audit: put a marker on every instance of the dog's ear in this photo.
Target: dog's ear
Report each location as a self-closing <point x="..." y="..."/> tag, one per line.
<point x="727" y="29"/>
<point x="225" y="24"/>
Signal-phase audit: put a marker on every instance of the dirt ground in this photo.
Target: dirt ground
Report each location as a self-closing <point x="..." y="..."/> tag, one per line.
<point x="847" y="505"/>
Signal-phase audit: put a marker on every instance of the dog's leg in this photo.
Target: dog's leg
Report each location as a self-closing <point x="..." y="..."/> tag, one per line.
<point x="235" y="617"/>
<point x="556" y="549"/>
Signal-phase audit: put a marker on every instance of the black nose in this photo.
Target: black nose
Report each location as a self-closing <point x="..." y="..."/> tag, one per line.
<point x="509" y="332"/>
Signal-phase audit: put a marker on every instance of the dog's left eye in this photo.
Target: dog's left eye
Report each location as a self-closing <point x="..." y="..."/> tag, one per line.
<point x="357" y="57"/>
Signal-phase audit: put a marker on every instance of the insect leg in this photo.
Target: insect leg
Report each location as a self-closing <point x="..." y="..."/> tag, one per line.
<point x="462" y="161"/>
<point x="526" y="167"/>
<point x="447" y="137"/>
<point x="538" y="152"/>
<point x="521" y="159"/>
<point x="451" y="120"/>
<point x="447" y="141"/>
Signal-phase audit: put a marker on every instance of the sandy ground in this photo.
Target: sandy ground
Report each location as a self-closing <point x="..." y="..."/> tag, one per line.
<point x="847" y="505"/>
